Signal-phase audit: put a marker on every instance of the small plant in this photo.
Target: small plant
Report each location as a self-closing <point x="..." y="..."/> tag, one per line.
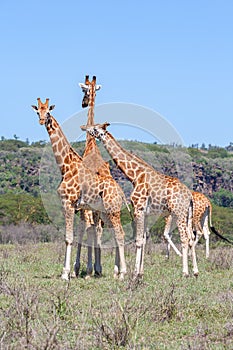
<point x="117" y="326"/>
<point x="221" y="259"/>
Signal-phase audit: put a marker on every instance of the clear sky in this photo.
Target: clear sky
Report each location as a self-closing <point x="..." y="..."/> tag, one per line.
<point x="172" y="56"/>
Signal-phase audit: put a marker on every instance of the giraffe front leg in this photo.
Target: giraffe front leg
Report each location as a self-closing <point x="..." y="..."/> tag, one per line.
<point x="81" y="230"/>
<point x="140" y="241"/>
<point x="90" y="241"/>
<point x="97" y="248"/>
<point x="98" y="230"/>
<point x="120" y="264"/>
<point x="69" y="218"/>
<point x="117" y="263"/>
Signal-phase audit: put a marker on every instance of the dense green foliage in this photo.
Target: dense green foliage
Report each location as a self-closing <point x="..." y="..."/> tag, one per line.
<point x="223" y="198"/>
<point x="16" y="208"/>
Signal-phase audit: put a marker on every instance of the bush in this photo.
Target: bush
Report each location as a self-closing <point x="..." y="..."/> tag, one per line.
<point x="15" y="208"/>
<point x="223" y="198"/>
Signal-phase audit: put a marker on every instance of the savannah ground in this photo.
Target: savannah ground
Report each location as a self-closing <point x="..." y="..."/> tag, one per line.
<point x="163" y="311"/>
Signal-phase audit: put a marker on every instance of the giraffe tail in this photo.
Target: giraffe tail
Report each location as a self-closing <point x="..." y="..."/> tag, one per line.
<point x="213" y="229"/>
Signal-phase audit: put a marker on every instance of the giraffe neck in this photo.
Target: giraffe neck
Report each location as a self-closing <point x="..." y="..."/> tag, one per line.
<point x="60" y="145"/>
<point x="129" y="163"/>
<point x="90" y="140"/>
<point x="90" y="115"/>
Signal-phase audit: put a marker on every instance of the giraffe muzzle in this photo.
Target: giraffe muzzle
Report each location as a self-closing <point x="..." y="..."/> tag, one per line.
<point x="85" y="101"/>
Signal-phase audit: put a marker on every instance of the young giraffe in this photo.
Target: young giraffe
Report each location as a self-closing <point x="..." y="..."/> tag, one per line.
<point x="202" y="216"/>
<point x="93" y="160"/>
<point x="81" y="189"/>
<point x="153" y="193"/>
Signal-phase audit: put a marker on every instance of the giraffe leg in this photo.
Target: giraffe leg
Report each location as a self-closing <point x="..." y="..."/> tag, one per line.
<point x="120" y="264"/>
<point x="81" y="230"/>
<point x="145" y="235"/>
<point x="207" y="245"/>
<point x="97" y="248"/>
<point x="195" y="268"/>
<point x="168" y="234"/>
<point x="183" y="231"/>
<point x="206" y="233"/>
<point x="140" y="241"/>
<point x="191" y="243"/>
<point x="69" y="217"/>
<point x="185" y="259"/>
<point x="168" y="248"/>
<point x="141" y="269"/>
<point x="117" y="263"/>
<point x="90" y="241"/>
<point x="191" y="238"/>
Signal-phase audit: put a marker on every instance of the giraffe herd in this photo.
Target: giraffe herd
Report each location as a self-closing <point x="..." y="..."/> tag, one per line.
<point x="87" y="186"/>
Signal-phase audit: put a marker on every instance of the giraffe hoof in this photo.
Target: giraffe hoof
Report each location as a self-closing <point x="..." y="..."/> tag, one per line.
<point x="74" y="275"/>
<point x="137" y="276"/>
<point x="87" y="277"/>
<point x="196" y="274"/>
<point x="65" y="276"/>
<point x="122" y="275"/>
<point x="98" y="274"/>
<point x="185" y="274"/>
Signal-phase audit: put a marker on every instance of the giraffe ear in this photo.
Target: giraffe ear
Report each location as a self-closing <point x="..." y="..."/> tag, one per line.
<point x="84" y="87"/>
<point x="51" y="107"/>
<point x="35" y="107"/>
<point x="105" y="125"/>
<point x="97" y="87"/>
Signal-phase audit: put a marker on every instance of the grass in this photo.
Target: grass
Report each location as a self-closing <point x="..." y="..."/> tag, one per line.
<point x="163" y="311"/>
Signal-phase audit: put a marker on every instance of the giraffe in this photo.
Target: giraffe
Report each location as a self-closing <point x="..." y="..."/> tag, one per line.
<point x="80" y="188"/>
<point x="153" y="192"/>
<point x="202" y="216"/>
<point x="92" y="159"/>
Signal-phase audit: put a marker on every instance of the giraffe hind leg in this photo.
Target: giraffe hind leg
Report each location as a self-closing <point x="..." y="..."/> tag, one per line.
<point x="168" y="234"/>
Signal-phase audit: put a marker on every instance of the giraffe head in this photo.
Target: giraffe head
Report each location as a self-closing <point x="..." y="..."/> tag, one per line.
<point x="98" y="130"/>
<point x="89" y="89"/>
<point x="43" y="110"/>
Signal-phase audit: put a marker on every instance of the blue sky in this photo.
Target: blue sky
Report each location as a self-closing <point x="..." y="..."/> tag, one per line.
<point x="173" y="56"/>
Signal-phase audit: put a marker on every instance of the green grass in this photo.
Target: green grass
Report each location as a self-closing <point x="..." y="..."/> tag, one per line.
<point x="163" y="311"/>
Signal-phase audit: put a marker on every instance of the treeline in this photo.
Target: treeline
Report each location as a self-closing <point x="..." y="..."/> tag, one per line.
<point x="24" y="179"/>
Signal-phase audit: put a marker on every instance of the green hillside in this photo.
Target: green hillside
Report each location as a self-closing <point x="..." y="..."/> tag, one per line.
<point x="29" y="177"/>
